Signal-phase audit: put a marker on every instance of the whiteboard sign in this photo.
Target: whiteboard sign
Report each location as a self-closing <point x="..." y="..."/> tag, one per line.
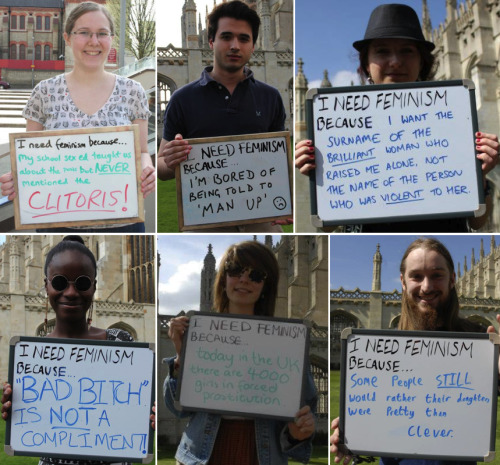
<point x="81" y="399"/>
<point x="394" y="152"/>
<point x="249" y="366"/>
<point x="235" y="180"/>
<point x="77" y="177"/>
<point x="419" y="394"/>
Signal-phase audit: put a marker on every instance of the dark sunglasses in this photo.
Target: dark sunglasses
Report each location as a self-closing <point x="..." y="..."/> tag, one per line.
<point x="235" y="271"/>
<point x="60" y="283"/>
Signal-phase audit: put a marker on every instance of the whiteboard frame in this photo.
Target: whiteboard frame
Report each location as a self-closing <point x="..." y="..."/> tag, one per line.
<point x="134" y="128"/>
<point x="60" y="341"/>
<point x="241" y="137"/>
<point x="233" y="412"/>
<point x="311" y="93"/>
<point x="494" y="339"/>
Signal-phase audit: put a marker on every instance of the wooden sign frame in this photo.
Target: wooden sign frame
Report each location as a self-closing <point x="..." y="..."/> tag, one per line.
<point x="183" y="226"/>
<point x="340" y="214"/>
<point x="229" y="408"/>
<point x="69" y="132"/>
<point x="432" y="427"/>
<point x="78" y="423"/>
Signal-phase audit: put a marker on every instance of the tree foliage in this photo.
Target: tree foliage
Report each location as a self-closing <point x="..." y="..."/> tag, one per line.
<point x="140" y="29"/>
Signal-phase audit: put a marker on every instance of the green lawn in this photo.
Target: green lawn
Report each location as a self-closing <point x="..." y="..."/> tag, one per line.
<point x="334" y="410"/>
<point x="167" y="208"/>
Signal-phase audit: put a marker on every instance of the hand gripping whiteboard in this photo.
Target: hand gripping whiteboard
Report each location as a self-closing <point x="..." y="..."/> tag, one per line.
<point x="419" y="394"/>
<point x="235" y="180"/>
<point x="81" y="399"/>
<point x="394" y="152"/>
<point x="247" y="366"/>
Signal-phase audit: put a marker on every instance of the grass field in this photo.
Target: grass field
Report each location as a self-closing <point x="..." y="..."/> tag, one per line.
<point x="334" y="410"/>
<point x="167" y="208"/>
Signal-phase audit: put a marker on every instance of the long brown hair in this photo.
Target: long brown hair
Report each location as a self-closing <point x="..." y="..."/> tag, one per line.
<point x="452" y="321"/>
<point x="259" y="257"/>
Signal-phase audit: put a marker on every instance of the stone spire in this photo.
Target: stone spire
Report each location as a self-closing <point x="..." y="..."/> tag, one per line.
<point x="265" y="25"/>
<point x="472" y="260"/>
<point x="15" y="265"/>
<point x="481" y="251"/>
<point x="300" y="101"/>
<point x="207" y="281"/>
<point x="492" y="244"/>
<point x="377" y="270"/>
<point x="188" y="25"/>
<point x="426" y="21"/>
<point x="268" y="241"/>
<point x="325" y="82"/>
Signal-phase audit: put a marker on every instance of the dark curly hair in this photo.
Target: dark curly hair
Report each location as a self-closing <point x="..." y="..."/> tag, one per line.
<point x="235" y="10"/>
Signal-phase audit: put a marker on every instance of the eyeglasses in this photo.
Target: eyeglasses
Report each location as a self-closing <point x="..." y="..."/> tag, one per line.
<point x="236" y="271"/>
<point x="87" y="35"/>
<point x="60" y="283"/>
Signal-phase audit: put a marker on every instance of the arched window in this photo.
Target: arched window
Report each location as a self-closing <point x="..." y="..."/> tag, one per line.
<point x="13" y="52"/>
<point x="39" y="23"/>
<point x="38" y="52"/>
<point x="47" y="23"/>
<point x="46" y="52"/>
<point x="22" y="22"/>
<point x="320" y="377"/>
<point x="13" y="22"/>
<point x="165" y="89"/>
<point x="339" y="320"/>
<point x="22" y="52"/>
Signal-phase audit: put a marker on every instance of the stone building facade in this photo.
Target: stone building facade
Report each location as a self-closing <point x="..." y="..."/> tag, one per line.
<point x="272" y="61"/>
<point x="303" y="263"/>
<point x="467" y="46"/>
<point x="124" y="296"/>
<point x="478" y="291"/>
<point x="31" y="40"/>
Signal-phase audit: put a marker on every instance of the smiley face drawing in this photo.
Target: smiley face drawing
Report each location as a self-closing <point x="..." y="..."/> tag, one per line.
<point x="279" y="203"/>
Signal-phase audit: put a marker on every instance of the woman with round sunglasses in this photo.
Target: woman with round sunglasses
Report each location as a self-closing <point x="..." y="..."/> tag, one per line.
<point x="394" y="50"/>
<point x="70" y="281"/>
<point x="246" y="284"/>
<point x="89" y="96"/>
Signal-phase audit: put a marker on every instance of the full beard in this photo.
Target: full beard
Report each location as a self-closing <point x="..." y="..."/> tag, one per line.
<point x="424" y="316"/>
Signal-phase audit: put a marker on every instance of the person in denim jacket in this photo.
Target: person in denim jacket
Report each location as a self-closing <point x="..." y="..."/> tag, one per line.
<point x="246" y="284"/>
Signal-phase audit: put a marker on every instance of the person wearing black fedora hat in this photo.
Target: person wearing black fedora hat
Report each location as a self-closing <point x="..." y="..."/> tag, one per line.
<point x="394" y="50"/>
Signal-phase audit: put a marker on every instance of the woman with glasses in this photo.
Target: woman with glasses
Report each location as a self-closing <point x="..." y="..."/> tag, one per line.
<point x="246" y="284"/>
<point x="70" y="281"/>
<point x="89" y="96"/>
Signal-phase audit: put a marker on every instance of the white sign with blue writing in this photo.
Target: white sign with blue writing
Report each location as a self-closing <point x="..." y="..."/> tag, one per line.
<point x="385" y="153"/>
<point x="419" y="394"/>
<point x="81" y="399"/>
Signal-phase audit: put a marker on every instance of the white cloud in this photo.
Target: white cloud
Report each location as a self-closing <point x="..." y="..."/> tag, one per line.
<point x="185" y="273"/>
<point x="345" y="78"/>
<point x="182" y="290"/>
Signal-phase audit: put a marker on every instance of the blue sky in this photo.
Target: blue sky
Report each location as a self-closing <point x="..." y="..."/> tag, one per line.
<point x="326" y="29"/>
<point x="351" y="256"/>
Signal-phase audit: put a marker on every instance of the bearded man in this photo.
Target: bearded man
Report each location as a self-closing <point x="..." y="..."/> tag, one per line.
<point x="429" y="303"/>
